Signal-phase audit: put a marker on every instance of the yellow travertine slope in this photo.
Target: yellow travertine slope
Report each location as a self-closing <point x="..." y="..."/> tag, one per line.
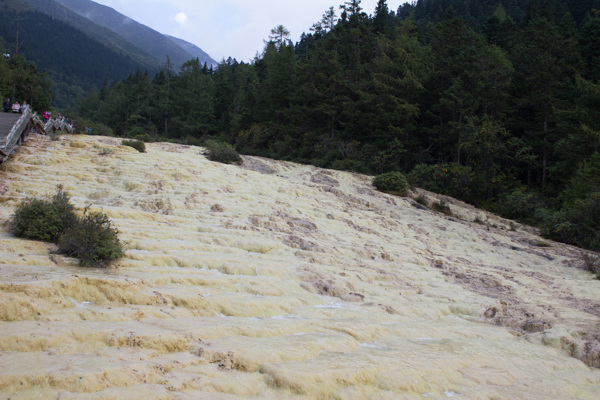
<point x="280" y="281"/>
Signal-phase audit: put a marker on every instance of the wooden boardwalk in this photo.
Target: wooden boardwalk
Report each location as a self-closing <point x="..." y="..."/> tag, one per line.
<point x="7" y="121"/>
<point x="15" y="129"/>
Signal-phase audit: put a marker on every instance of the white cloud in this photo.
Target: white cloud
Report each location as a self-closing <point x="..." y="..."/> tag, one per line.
<point x="181" y="18"/>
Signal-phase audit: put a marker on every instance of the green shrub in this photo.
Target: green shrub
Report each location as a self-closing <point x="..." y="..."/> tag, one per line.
<point x="519" y="204"/>
<point x="391" y="182"/>
<point x="442" y="206"/>
<point x="591" y="262"/>
<point x="93" y="239"/>
<point x="95" y="128"/>
<point x="145" y="137"/>
<point x="222" y="152"/>
<point x="577" y="224"/>
<point x="450" y="179"/>
<point x="136" y="144"/>
<point x="43" y="219"/>
<point x="422" y="199"/>
<point x="192" y="141"/>
<point x="136" y="132"/>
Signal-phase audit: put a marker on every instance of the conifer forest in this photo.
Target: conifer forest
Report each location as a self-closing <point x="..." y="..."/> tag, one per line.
<point x="495" y="103"/>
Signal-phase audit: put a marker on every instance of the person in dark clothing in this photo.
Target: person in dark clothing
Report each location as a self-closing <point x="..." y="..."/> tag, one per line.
<point x="7" y="105"/>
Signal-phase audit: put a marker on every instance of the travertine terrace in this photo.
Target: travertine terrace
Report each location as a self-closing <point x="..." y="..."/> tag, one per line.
<point x="280" y="281"/>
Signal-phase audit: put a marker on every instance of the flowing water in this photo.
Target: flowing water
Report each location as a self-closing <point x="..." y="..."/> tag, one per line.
<point x="279" y="281"/>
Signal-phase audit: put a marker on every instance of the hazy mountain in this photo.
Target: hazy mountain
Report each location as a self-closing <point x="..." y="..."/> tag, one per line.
<point x="73" y="60"/>
<point x="194" y="51"/>
<point x="95" y="31"/>
<point x="79" y="44"/>
<point x="150" y="41"/>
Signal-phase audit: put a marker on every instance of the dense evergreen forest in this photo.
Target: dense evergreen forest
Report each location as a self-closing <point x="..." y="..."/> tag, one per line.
<point x="21" y="81"/>
<point x="494" y="103"/>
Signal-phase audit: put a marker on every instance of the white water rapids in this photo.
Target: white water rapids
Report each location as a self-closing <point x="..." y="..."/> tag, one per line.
<point x="280" y="281"/>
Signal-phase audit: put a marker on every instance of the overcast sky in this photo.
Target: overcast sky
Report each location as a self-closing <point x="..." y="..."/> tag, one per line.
<point x="235" y="28"/>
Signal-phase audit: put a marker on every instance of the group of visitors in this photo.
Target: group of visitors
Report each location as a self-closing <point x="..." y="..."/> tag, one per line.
<point x="14" y="107"/>
<point x="20" y="108"/>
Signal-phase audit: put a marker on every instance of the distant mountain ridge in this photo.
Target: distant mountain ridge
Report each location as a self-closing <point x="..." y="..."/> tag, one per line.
<point x="79" y="54"/>
<point x="95" y="31"/>
<point x="147" y="39"/>
<point x="194" y="51"/>
<point x="74" y="60"/>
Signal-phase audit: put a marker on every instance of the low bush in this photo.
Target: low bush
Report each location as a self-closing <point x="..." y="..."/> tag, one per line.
<point x="577" y="223"/>
<point x="391" y="182"/>
<point x="519" y="204"/>
<point x="591" y="261"/>
<point x="145" y="137"/>
<point x="442" y="206"/>
<point x="43" y="219"/>
<point x="91" y="238"/>
<point x="136" y="144"/>
<point x="222" y="152"/>
<point x="89" y="127"/>
<point x="422" y="199"/>
<point x="450" y="179"/>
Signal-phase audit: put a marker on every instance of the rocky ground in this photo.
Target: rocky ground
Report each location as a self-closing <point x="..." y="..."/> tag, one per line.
<point x="274" y="280"/>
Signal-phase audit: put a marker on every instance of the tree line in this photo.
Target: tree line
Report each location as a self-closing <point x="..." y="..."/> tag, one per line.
<point x="503" y="114"/>
<point x="21" y="81"/>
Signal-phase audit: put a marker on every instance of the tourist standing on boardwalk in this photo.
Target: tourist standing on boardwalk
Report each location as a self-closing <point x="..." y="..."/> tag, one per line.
<point x="16" y="107"/>
<point x="7" y="105"/>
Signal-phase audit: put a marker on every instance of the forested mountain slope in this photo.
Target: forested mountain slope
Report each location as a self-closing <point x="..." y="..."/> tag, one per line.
<point x="195" y="51"/>
<point x="505" y="116"/>
<point x="72" y="60"/>
<point x="78" y="54"/>
<point x="155" y="43"/>
<point x="477" y="12"/>
<point x="101" y="34"/>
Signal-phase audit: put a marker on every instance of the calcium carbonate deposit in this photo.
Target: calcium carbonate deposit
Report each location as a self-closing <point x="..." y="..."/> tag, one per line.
<point x="274" y="280"/>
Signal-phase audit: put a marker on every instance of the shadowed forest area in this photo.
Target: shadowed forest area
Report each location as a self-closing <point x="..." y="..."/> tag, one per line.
<point x="495" y="103"/>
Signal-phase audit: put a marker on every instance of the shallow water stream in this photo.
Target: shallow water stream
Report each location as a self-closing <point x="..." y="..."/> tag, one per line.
<point x="274" y="280"/>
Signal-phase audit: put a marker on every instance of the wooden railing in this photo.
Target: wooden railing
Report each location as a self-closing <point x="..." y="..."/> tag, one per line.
<point x="58" y="124"/>
<point x="27" y="123"/>
<point x="15" y="133"/>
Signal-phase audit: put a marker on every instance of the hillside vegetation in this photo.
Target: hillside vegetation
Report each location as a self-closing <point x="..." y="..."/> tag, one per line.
<point x="498" y="111"/>
<point x="79" y="45"/>
<point x="73" y="62"/>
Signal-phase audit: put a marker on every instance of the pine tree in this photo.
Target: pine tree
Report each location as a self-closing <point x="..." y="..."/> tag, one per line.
<point x="545" y="63"/>
<point x="381" y="21"/>
<point x="392" y="96"/>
